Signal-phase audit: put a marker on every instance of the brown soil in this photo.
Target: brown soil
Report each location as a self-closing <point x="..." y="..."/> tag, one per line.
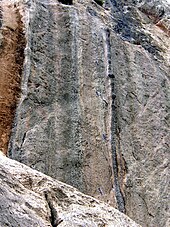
<point x="11" y="64"/>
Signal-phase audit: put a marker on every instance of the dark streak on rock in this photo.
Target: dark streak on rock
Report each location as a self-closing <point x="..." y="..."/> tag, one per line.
<point x="23" y="139"/>
<point x="118" y="193"/>
<point x="55" y="221"/>
<point x="0" y="17"/>
<point x="129" y="27"/>
<point x="109" y="60"/>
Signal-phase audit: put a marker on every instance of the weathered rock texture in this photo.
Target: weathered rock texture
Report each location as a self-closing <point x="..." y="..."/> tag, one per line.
<point x="30" y="198"/>
<point x="94" y="100"/>
<point x="12" y="45"/>
<point x="63" y="119"/>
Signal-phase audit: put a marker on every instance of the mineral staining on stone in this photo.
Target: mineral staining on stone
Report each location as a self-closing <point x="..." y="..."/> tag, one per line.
<point x="12" y="44"/>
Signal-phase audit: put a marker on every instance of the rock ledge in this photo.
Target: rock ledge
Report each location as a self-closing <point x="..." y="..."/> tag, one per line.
<point x="30" y="198"/>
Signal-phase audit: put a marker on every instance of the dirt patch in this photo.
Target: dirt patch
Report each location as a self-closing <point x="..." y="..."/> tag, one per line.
<point x="11" y="63"/>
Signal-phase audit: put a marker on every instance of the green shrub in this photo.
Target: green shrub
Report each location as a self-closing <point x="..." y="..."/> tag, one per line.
<point x="100" y="2"/>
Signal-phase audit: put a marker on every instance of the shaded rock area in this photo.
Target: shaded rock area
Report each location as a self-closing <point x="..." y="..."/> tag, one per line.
<point x="131" y="16"/>
<point x="94" y="102"/>
<point x="30" y="198"/>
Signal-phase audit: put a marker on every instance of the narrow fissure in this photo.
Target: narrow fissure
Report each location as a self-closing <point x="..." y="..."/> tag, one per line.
<point x="0" y="21"/>
<point x="12" y="47"/>
<point x="23" y="139"/>
<point x="55" y="221"/>
<point x="118" y="193"/>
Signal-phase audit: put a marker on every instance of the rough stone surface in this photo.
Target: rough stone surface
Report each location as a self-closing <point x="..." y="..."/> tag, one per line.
<point x="30" y="198"/>
<point x="94" y="100"/>
<point x="12" y="45"/>
<point x="65" y="108"/>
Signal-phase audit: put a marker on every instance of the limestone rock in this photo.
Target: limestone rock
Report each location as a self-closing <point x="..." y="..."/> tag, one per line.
<point x="30" y="198"/>
<point x="94" y="100"/>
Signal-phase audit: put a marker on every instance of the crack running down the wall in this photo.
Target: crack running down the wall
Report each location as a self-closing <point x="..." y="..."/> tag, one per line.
<point x="118" y="193"/>
<point x="54" y="219"/>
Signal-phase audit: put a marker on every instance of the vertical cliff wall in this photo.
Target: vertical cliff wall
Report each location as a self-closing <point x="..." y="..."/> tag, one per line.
<point x="63" y="118"/>
<point x="93" y="110"/>
<point x="141" y="68"/>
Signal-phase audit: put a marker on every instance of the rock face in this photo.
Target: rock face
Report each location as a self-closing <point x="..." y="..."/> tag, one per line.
<point x="12" y="45"/>
<point x="30" y="198"/>
<point x="93" y="110"/>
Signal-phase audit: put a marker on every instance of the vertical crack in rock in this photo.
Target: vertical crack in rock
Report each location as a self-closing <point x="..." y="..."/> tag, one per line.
<point x="0" y="22"/>
<point x="12" y="45"/>
<point x="54" y="219"/>
<point x="23" y="139"/>
<point x="118" y="193"/>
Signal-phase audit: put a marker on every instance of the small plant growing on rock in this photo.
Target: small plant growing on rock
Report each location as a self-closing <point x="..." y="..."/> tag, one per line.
<point x="100" y="2"/>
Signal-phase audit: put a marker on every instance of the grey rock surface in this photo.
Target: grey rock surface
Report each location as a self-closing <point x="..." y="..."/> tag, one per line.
<point x="94" y="107"/>
<point x="30" y="198"/>
<point x="62" y="121"/>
